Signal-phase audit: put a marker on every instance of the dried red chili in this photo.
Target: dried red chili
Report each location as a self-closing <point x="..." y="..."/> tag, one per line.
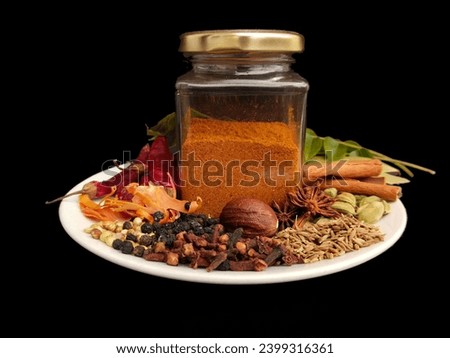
<point x="154" y="163"/>
<point x="160" y="162"/>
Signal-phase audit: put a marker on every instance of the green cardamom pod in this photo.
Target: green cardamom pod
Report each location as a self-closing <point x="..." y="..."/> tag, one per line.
<point x="372" y="212"/>
<point x="387" y="207"/>
<point x="332" y="192"/>
<point x="347" y="198"/>
<point x="369" y="199"/>
<point x="343" y="207"/>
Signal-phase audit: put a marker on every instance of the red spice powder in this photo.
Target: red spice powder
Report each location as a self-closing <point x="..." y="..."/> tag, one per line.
<point x="222" y="160"/>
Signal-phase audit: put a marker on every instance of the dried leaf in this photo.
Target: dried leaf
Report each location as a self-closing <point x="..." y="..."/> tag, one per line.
<point x="394" y="179"/>
<point x="334" y="149"/>
<point x="360" y="152"/>
<point x="313" y="145"/>
<point x="164" y="127"/>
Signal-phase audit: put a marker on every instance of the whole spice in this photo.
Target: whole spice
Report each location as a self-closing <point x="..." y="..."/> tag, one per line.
<point x="150" y="202"/>
<point x="343" y="207"/>
<point x="96" y="189"/>
<point x="369" y="209"/>
<point x="344" y="168"/>
<point x="313" y="201"/>
<point x="160" y="162"/>
<point x="335" y="149"/>
<point x="329" y="238"/>
<point x="154" y="163"/>
<point x="372" y="212"/>
<point x="286" y="214"/>
<point x="175" y="243"/>
<point x="384" y="191"/>
<point x="255" y="217"/>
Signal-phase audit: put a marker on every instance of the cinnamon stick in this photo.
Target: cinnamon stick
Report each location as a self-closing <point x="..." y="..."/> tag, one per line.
<point x="345" y="168"/>
<point x="376" y="180"/>
<point x="384" y="191"/>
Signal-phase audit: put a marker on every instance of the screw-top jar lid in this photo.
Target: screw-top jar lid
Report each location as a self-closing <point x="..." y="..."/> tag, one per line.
<point x="231" y="41"/>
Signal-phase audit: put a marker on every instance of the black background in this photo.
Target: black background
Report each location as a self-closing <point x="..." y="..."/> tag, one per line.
<point x="99" y="78"/>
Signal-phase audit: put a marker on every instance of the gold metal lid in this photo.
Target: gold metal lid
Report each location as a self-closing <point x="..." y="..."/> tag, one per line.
<point x="232" y="41"/>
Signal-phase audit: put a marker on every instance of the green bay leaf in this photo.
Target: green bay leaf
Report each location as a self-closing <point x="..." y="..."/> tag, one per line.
<point x="164" y="127"/>
<point x="394" y="179"/>
<point x="313" y="145"/>
<point x="354" y="149"/>
<point x="334" y="149"/>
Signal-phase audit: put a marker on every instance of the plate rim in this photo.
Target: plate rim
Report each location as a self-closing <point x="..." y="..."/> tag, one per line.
<point x="279" y="274"/>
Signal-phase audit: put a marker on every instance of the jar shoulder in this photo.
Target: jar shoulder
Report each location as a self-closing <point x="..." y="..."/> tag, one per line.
<point x="282" y="79"/>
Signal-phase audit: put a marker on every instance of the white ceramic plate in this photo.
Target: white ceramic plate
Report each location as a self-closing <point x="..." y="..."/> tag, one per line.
<point x="74" y="223"/>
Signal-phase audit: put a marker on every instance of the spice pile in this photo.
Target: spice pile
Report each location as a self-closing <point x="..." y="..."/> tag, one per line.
<point x="139" y="190"/>
<point x="247" y="237"/>
<point x="329" y="238"/>
<point x="321" y="224"/>
<point x="194" y="240"/>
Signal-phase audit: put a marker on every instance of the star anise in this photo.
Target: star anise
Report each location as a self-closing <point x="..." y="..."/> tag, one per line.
<point x="313" y="201"/>
<point x="286" y="214"/>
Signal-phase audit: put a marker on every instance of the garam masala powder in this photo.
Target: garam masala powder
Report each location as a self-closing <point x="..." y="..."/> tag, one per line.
<point x="222" y="160"/>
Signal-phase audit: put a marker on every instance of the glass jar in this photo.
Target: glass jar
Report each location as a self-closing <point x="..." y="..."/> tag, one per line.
<point x="241" y="116"/>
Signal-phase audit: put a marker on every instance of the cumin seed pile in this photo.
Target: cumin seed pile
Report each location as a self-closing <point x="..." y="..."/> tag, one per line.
<point x="327" y="239"/>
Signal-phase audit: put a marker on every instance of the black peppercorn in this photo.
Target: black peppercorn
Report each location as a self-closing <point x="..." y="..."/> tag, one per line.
<point x="146" y="240"/>
<point x="168" y="239"/>
<point x="127" y="247"/>
<point x="117" y="244"/>
<point x="147" y="228"/>
<point x="158" y="216"/>
<point x="138" y="251"/>
<point x="127" y="225"/>
<point x="131" y="237"/>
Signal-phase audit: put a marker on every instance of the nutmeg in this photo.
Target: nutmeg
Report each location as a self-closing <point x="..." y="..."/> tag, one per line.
<point x="254" y="216"/>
